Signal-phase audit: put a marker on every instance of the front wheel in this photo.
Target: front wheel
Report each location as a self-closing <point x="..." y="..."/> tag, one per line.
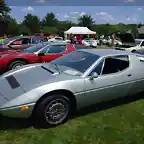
<point x="16" y="64"/>
<point x="53" y="110"/>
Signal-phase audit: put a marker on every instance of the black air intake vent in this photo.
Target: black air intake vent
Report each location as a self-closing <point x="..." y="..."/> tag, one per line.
<point x="12" y="82"/>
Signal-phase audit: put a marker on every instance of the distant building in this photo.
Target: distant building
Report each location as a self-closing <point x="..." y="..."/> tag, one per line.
<point x="140" y="32"/>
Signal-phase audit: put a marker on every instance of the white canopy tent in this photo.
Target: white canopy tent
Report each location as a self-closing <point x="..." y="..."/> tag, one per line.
<point x="79" y="30"/>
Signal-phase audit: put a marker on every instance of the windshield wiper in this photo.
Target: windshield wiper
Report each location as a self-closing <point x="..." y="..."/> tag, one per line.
<point x="56" y="66"/>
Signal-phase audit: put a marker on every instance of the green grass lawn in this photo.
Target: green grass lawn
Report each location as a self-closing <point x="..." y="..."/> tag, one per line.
<point x="123" y="124"/>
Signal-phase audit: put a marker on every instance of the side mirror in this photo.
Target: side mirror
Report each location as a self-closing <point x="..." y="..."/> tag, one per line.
<point x="41" y="54"/>
<point x="93" y="75"/>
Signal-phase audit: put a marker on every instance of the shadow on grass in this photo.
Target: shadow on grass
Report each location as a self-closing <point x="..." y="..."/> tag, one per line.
<point x="12" y="123"/>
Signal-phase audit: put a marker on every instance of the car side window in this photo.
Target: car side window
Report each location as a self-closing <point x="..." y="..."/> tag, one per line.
<point x="98" y="68"/>
<point x="56" y="49"/>
<point x="26" y="41"/>
<point x="115" y="64"/>
<point x="45" y="50"/>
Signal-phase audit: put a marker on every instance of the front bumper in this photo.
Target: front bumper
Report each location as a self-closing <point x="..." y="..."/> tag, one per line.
<point x="17" y="112"/>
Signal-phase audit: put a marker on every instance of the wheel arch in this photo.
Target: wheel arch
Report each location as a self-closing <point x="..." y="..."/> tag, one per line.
<point x="64" y="92"/>
<point x="133" y="50"/>
<point x="18" y="59"/>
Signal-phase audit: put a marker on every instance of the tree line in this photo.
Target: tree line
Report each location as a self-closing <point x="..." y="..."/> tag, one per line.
<point x="32" y="24"/>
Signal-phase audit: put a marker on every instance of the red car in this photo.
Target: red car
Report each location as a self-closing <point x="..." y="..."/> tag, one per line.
<point x="20" y="42"/>
<point x="42" y="52"/>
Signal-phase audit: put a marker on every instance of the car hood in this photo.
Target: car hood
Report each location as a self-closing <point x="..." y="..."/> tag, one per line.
<point x="126" y="37"/>
<point x="8" y="52"/>
<point x="16" y="82"/>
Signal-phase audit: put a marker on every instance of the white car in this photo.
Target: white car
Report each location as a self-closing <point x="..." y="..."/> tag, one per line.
<point x="116" y="42"/>
<point x="129" y="43"/>
<point x="89" y="42"/>
<point x="55" y="39"/>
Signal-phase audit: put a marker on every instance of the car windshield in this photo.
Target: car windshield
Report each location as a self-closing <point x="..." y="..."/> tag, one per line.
<point x="89" y="40"/>
<point x="77" y="60"/>
<point x="38" y="40"/>
<point x="6" y="41"/>
<point x="35" y="48"/>
<point x="138" y="42"/>
<point x="58" y="38"/>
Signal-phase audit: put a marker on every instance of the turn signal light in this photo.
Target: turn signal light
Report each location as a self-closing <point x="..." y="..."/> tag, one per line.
<point x="24" y="107"/>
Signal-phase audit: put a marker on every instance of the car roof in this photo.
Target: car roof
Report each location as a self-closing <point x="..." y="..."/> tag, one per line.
<point x="28" y="37"/>
<point x="57" y="43"/>
<point x="106" y="52"/>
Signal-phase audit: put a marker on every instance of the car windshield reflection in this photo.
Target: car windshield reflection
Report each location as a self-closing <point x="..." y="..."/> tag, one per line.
<point x="77" y="60"/>
<point x="35" y="48"/>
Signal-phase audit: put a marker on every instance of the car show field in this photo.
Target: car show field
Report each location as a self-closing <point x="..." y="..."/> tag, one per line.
<point x="71" y="72"/>
<point x="118" y="121"/>
<point x="118" y="125"/>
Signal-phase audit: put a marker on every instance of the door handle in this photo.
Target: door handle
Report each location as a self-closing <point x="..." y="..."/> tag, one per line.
<point x="129" y="75"/>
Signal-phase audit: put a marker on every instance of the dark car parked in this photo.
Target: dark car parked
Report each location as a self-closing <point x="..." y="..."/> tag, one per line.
<point x="20" y="42"/>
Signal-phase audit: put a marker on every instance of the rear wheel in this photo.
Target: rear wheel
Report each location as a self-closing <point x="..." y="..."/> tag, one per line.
<point x="52" y="111"/>
<point x="16" y="64"/>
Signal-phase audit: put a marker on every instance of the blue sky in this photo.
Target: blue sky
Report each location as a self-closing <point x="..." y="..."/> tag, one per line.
<point x="103" y="11"/>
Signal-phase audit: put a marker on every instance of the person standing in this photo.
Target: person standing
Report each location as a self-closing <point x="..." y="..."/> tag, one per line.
<point x="113" y="39"/>
<point x="75" y="40"/>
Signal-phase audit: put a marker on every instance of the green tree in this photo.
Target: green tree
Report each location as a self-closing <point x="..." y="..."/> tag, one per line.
<point x="50" y="20"/>
<point x="49" y="30"/>
<point x="32" y="22"/>
<point x="65" y="25"/>
<point x="86" y="21"/>
<point x="13" y="28"/>
<point x="23" y="29"/>
<point x="4" y="10"/>
<point x="140" y="25"/>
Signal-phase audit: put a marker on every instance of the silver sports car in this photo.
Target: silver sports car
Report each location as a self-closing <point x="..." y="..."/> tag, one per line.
<point x="50" y="92"/>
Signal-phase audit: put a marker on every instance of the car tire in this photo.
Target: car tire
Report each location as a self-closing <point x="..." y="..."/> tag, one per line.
<point x="52" y="111"/>
<point x="15" y="64"/>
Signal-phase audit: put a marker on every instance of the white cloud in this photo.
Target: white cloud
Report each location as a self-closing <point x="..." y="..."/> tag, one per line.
<point x="105" y="16"/>
<point x="41" y="1"/>
<point x="82" y="13"/>
<point x="74" y="13"/>
<point x="73" y="16"/>
<point x="139" y="9"/>
<point x="66" y="16"/>
<point x="12" y="7"/>
<point x="129" y="1"/>
<point x="28" y="9"/>
<point x="132" y="19"/>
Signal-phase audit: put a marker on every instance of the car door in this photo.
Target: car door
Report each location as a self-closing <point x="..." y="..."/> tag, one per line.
<point x="114" y="80"/>
<point x="52" y="52"/>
